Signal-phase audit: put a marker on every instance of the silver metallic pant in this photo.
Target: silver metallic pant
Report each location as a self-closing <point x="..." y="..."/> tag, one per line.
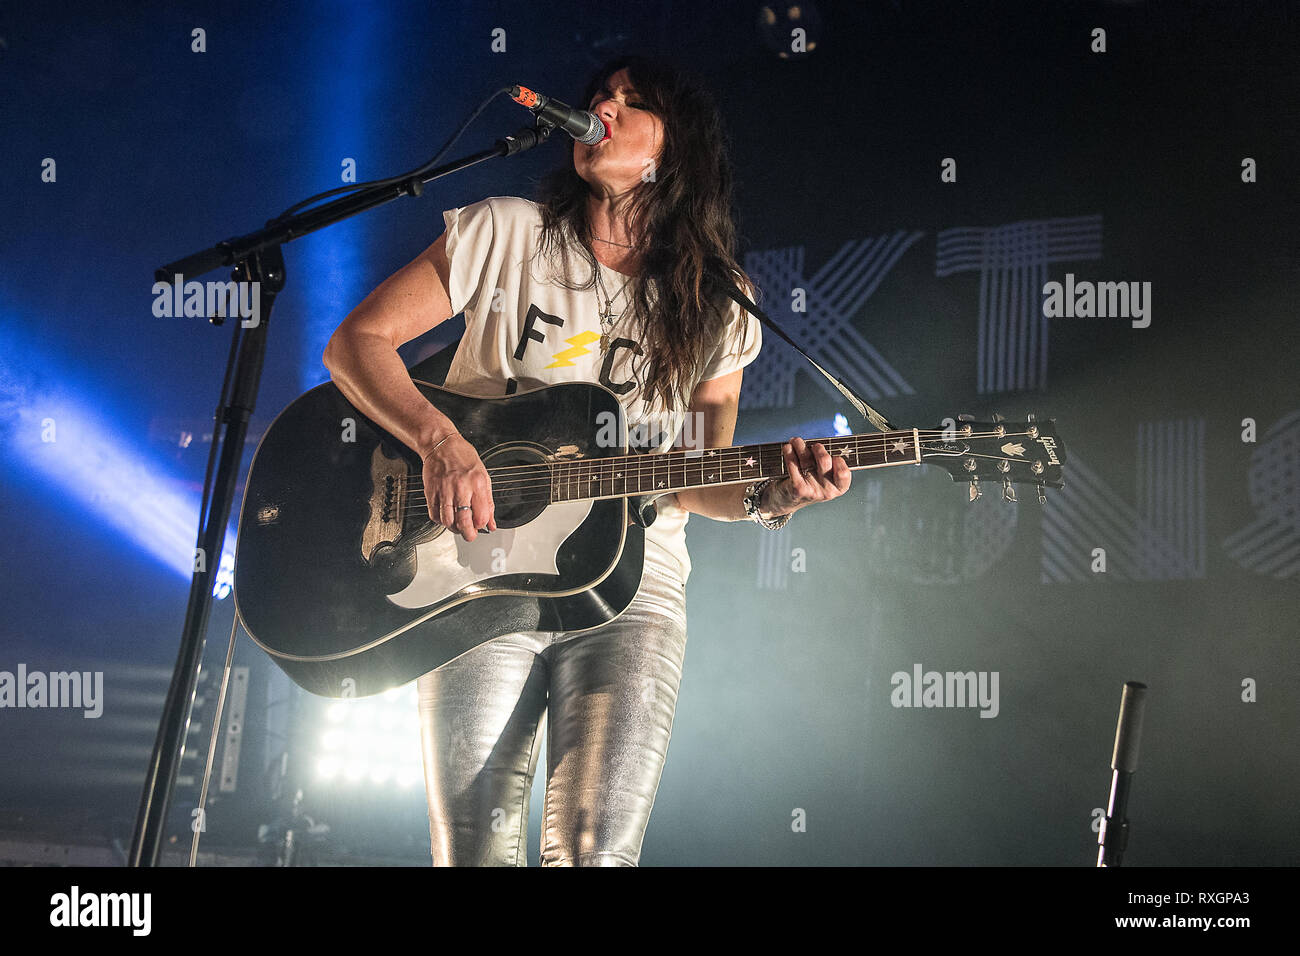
<point x="608" y="695"/>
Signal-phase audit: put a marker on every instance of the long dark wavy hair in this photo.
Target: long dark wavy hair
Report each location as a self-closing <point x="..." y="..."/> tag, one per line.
<point x="684" y="218"/>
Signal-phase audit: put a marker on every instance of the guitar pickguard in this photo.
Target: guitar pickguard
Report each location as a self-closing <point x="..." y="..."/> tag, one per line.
<point x="448" y="563"/>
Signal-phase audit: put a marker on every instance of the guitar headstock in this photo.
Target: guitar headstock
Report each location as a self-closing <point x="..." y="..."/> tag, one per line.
<point x="998" y="452"/>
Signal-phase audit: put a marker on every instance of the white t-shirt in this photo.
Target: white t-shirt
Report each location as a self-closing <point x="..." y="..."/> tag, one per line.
<point x="523" y="329"/>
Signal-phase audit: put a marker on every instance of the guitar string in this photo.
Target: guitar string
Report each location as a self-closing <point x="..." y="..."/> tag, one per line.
<point x="417" y="503"/>
<point x="638" y="467"/>
<point x="545" y="498"/>
<point x="883" y="437"/>
<point x="414" y="507"/>
<point x="602" y="470"/>
<point x="863" y="442"/>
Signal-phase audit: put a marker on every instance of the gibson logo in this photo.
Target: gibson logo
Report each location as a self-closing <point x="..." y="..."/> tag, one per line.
<point x="1049" y="446"/>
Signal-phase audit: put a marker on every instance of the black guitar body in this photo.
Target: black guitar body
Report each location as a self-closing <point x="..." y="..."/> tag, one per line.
<point x="343" y="579"/>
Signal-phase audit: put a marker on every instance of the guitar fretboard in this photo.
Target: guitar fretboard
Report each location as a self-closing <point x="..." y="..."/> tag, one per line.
<point x="665" y="472"/>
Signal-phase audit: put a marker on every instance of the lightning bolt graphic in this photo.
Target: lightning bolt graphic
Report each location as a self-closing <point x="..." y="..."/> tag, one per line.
<point x="578" y="342"/>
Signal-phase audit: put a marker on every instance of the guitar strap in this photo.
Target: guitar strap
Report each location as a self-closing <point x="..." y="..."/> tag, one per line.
<point x="870" y="414"/>
<point x="643" y="506"/>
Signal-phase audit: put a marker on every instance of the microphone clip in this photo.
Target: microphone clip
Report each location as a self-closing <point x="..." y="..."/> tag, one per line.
<point x="525" y="138"/>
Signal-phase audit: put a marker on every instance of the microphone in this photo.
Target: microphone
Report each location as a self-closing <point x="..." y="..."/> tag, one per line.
<point x="582" y="125"/>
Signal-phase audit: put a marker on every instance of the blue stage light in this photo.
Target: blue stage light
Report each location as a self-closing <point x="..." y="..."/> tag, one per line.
<point x="329" y="263"/>
<point x="51" y="432"/>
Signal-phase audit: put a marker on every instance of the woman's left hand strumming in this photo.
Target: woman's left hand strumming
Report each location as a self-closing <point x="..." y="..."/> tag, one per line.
<point x="812" y="474"/>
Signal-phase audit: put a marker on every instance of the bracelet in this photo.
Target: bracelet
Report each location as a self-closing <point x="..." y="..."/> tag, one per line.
<point x="752" y="495"/>
<point x="436" y="447"/>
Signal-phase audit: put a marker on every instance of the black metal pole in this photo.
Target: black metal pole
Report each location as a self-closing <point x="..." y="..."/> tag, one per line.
<point x="1113" y="836"/>
<point x="267" y="269"/>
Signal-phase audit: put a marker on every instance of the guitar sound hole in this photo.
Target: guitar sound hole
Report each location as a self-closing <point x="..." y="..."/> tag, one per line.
<point x="520" y="494"/>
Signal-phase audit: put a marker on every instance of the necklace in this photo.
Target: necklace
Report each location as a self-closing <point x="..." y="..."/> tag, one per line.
<point x="607" y="315"/>
<point x="613" y="243"/>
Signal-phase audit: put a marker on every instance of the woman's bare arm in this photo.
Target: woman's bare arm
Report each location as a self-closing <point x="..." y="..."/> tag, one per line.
<point x="364" y="364"/>
<point x="362" y="354"/>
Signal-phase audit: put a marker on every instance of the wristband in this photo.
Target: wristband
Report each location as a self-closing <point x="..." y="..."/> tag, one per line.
<point x="435" y="448"/>
<point x="752" y="495"/>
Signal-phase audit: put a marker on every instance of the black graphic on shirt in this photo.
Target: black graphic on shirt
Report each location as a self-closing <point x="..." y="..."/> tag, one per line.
<point x="638" y="440"/>
<point x="639" y="437"/>
<point x="620" y="388"/>
<point x="534" y="313"/>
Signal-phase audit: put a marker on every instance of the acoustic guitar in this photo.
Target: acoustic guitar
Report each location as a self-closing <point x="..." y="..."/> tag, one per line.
<point x="341" y="576"/>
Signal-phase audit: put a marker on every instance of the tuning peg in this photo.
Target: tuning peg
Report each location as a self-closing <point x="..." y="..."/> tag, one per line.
<point x="965" y="418"/>
<point x="1042" y="495"/>
<point x="998" y="418"/>
<point x="1008" y="493"/>
<point x="975" y="489"/>
<point x="1029" y="417"/>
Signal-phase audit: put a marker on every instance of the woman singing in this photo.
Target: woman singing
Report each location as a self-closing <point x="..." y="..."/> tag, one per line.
<point x="599" y="281"/>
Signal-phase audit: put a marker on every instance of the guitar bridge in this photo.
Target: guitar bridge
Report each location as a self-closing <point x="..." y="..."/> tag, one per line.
<point x="388" y="501"/>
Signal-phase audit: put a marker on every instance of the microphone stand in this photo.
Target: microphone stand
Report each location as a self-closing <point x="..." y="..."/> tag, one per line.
<point x="1113" y="835"/>
<point x="256" y="257"/>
